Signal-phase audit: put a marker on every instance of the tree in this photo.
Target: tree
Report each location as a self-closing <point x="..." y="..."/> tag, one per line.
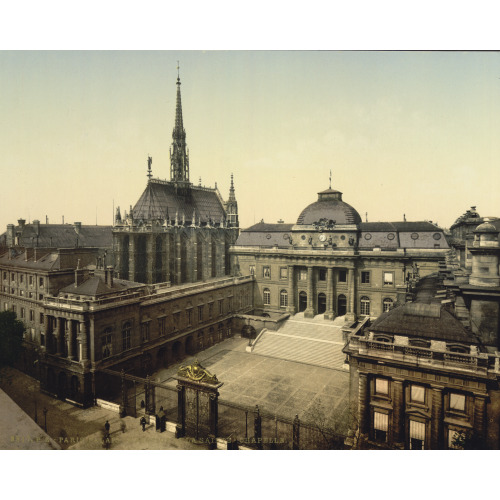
<point x="11" y="338"/>
<point x="467" y="440"/>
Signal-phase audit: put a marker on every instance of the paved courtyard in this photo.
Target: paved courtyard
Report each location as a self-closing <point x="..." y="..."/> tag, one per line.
<point x="279" y="387"/>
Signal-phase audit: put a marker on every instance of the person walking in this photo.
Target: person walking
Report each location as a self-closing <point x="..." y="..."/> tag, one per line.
<point x="107" y="426"/>
<point x="143" y="423"/>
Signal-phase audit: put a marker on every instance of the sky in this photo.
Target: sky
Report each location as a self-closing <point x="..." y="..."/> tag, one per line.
<point x="414" y="133"/>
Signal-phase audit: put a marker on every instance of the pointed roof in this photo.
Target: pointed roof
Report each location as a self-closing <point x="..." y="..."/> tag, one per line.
<point x="179" y="158"/>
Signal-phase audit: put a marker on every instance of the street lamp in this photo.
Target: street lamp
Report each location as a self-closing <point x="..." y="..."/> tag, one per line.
<point x="45" y="419"/>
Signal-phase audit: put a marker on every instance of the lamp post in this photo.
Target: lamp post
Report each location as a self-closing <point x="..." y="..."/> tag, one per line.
<point x="45" y="419"/>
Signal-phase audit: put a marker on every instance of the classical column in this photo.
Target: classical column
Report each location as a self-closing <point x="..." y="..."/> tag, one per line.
<point x="480" y="416"/>
<point x="59" y="338"/>
<point x="329" y="314"/>
<point x="291" y="290"/>
<point x="83" y="341"/>
<point x="131" y="257"/>
<point x="309" y="312"/>
<point x="398" y="414"/>
<point x="364" y="406"/>
<point x="437" y="418"/>
<point x="69" y="339"/>
<point x="351" y="295"/>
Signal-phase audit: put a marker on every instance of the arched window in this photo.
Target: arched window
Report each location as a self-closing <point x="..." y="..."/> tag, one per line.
<point x="283" y="298"/>
<point x="267" y="296"/>
<point x="365" y="306"/>
<point x="127" y="327"/>
<point x="387" y="304"/>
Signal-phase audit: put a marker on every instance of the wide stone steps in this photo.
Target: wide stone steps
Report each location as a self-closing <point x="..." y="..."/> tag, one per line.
<point x="304" y="341"/>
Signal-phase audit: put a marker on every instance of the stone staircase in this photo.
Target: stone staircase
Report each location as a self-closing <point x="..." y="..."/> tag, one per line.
<point x="312" y="341"/>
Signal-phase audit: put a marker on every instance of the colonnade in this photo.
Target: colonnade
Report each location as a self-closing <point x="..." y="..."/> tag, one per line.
<point x="66" y="337"/>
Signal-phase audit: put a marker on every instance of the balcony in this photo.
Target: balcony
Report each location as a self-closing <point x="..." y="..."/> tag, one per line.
<point x="478" y="364"/>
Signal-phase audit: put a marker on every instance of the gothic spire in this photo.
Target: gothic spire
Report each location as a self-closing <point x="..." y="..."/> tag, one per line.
<point x="179" y="157"/>
<point x="232" y="196"/>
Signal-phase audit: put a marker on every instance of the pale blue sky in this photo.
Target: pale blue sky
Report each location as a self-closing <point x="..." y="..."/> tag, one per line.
<point x="403" y="132"/>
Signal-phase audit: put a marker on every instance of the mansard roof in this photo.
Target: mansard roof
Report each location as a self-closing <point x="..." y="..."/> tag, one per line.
<point x="164" y="199"/>
<point x="64" y="236"/>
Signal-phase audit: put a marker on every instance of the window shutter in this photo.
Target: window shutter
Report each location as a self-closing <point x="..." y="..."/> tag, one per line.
<point x="380" y="421"/>
<point x="417" y="430"/>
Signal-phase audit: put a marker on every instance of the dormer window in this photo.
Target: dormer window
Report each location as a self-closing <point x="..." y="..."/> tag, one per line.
<point x="460" y="349"/>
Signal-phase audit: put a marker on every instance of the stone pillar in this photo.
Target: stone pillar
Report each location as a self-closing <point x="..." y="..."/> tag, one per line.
<point x="48" y="336"/>
<point x="364" y="406"/>
<point x="398" y="415"/>
<point x="194" y="255"/>
<point x="131" y="257"/>
<point x="150" y="258"/>
<point x="59" y="338"/>
<point x="69" y="339"/>
<point x="309" y="312"/>
<point x="83" y="341"/>
<point x="480" y="417"/>
<point x="257" y="424"/>
<point x="437" y="418"/>
<point x="351" y="296"/>
<point x="296" y="433"/>
<point x="329" y="314"/>
<point x="178" y="258"/>
<point x="180" y="428"/>
<point x="291" y="290"/>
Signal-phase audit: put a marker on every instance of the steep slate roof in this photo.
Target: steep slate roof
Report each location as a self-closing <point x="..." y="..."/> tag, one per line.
<point x="46" y="261"/>
<point x="65" y="236"/>
<point x="425" y="318"/>
<point x="96" y="285"/>
<point x="161" y="198"/>
<point x="263" y="234"/>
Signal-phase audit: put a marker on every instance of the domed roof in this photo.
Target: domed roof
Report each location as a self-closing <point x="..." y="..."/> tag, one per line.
<point x="486" y="227"/>
<point x="330" y="207"/>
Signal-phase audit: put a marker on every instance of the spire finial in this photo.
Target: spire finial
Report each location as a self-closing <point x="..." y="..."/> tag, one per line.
<point x="330" y="178"/>
<point x="178" y="74"/>
<point x="150" y="161"/>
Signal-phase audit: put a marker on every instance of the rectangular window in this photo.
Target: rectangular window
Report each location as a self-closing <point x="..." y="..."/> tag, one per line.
<point x="145" y="332"/>
<point x="381" y="386"/>
<point x="283" y="273"/>
<point x="189" y="314"/>
<point x="303" y="275"/>
<point x="22" y="312"/>
<point x="13" y="277"/>
<point x="40" y="281"/>
<point x="365" y="277"/>
<point x="40" y="296"/>
<point x="230" y="303"/>
<point x="177" y="317"/>
<point x="221" y="307"/>
<point x="21" y="278"/>
<point x="266" y="272"/>
<point x="283" y="298"/>
<point x="380" y="426"/>
<point x="21" y="293"/>
<point x="210" y="310"/>
<point x="162" y="326"/>
<point x="417" y="435"/>
<point x="457" y="402"/>
<point x="388" y="278"/>
<point x="107" y="348"/>
<point x="30" y="295"/>
<point x="342" y="276"/>
<point x="322" y="274"/>
<point x="417" y="394"/>
<point x="4" y="275"/>
<point x="31" y="280"/>
<point x="251" y="269"/>
<point x="267" y="297"/>
<point x="32" y="315"/>
<point x="200" y="313"/>
<point x="41" y="318"/>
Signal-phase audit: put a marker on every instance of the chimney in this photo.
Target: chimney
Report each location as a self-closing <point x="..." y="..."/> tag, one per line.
<point x="21" y="223"/>
<point x="108" y="274"/>
<point x="77" y="226"/>
<point x="10" y="235"/>
<point x="78" y="274"/>
<point x="36" y="225"/>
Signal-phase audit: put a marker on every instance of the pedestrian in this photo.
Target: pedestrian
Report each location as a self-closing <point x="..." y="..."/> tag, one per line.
<point x="143" y="423"/>
<point x="123" y="426"/>
<point x="107" y="426"/>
